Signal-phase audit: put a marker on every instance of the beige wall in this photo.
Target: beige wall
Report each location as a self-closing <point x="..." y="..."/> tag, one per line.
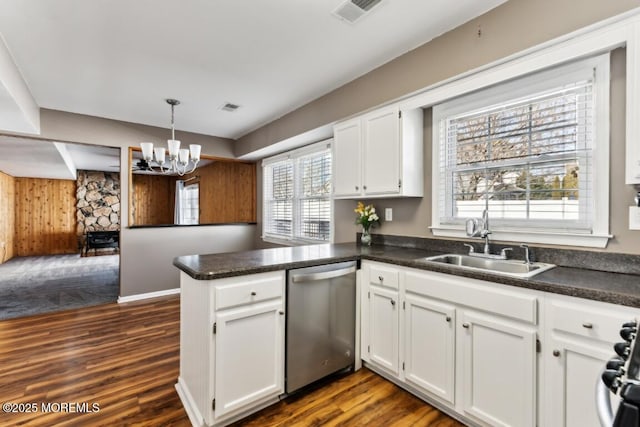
<point x="508" y="29"/>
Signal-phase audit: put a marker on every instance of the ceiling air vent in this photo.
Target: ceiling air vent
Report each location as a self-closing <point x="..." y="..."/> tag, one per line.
<point x="352" y="10"/>
<point x="229" y="107"/>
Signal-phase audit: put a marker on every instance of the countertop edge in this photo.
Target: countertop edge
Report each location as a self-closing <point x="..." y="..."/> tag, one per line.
<point x="537" y="283"/>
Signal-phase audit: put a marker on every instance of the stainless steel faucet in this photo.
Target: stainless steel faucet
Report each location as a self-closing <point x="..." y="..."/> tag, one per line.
<point x="472" y="231"/>
<point x="484" y="233"/>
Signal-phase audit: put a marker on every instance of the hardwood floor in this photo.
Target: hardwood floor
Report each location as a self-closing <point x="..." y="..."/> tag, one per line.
<point x="124" y="358"/>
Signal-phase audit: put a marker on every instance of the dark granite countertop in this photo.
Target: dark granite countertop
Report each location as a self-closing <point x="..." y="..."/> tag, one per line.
<point x="617" y="288"/>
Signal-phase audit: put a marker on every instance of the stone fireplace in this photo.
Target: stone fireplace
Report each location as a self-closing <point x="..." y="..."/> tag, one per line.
<point x="97" y="202"/>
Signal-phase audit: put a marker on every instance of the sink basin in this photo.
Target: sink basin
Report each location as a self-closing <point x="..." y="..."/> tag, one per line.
<point x="504" y="267"/>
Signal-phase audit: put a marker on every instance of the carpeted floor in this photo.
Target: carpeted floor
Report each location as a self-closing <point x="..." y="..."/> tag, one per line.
<point x="43" y="284"/>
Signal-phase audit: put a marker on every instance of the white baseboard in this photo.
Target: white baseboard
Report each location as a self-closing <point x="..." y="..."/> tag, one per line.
<point x="156" y="294"/>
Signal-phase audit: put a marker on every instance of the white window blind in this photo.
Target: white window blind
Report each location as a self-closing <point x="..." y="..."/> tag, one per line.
<point x="297" y="195"/>
<point x="527" y="158"/>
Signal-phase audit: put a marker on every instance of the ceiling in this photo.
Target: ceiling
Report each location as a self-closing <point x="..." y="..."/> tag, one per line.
<point x="31" y="158"/>
<point x="120" y="59"/>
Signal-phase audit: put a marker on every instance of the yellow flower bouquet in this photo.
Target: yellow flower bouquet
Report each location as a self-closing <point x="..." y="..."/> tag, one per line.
<point x="367" y="218"/>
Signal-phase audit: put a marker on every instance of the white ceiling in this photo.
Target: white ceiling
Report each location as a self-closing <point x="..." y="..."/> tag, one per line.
<point x="26" y="157"/>
<point x="120" y="58"/>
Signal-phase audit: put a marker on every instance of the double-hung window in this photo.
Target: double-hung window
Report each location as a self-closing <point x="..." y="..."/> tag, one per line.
<point x="297" y="195"/>
<point x="532" y="152"/>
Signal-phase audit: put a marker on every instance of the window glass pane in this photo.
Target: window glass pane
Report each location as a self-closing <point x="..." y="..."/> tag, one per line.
<point x="281" y="217"/>
<point x="282" y="181"/>
<point x="315" y="204"/>
<point x="524" y="160"/>
<point x="316" y="219"/>
<point x="297" y="195"/>
<point x="191" y="204"/>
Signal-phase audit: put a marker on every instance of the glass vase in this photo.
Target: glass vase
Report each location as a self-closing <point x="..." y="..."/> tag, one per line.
<point x="365" y="238"/>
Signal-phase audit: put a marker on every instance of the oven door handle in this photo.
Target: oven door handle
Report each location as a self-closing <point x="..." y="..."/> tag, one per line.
<point x="312" y="277"/>
<point x="603" y="403"/>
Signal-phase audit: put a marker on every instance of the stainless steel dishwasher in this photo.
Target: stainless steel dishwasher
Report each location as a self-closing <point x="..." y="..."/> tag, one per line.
<point x="321" y="304"/>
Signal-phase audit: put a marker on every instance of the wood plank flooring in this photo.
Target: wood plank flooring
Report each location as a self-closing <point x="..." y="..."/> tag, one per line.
<point x="125" y="358"/>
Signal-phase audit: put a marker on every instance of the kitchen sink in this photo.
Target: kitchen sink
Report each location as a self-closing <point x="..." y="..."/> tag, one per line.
<point x="504" y="267"/>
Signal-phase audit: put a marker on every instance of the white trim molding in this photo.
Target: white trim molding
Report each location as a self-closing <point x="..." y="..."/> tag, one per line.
<point x="541" y="237"/>
<point x="156" y="294"/>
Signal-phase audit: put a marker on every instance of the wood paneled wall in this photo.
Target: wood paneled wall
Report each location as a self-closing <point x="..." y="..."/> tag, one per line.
<point x="45" y="217"/>
<point x="227" y="192"/>
<point x="153" y="198"/>
<point x="7" y="216"/>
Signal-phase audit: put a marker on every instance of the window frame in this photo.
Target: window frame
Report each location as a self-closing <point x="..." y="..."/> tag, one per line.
<point x="294" y="156"/>
<point x="519" y="88"/>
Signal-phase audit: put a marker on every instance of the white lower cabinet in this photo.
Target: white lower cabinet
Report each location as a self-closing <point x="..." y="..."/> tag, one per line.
<point x="429" y="325"/>
<point x="231" y="346"/>
<point x="384" y="323"/>
<point x="499" y="370"/>
<point x="466" y="345"/>
<point x="249" y="356"/>
<point x="579" y="341"/>
<point x="490" y="354"/>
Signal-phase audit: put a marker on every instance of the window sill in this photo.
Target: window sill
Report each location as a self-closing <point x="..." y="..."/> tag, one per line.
<point x="564" y="239"/>
<point x="291" y="242"/>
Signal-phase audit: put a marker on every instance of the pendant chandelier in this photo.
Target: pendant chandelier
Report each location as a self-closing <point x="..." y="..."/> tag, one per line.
<point x="179" y="158"/>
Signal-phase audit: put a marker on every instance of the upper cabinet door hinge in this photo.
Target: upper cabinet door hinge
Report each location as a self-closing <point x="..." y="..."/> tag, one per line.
<point x="215" y="328"/>
<point x="538" y="346"/>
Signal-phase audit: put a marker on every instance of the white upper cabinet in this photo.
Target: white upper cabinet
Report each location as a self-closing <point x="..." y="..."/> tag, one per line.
<point x="347" y="151"/>
<point x="379" y="154"/>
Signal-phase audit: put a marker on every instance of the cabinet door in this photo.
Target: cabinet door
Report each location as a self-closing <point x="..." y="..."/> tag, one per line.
<point x="430" y="346"/>
<point x="249" y="356"/>
<point x="384" y="328"/>
<point x="499" y="370"/>
<point x="573" y="369"/>
<point x="347" y="159"/>
<point x="382" y="152"/>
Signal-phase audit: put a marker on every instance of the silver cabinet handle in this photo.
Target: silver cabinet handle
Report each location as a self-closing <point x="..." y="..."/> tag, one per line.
<point x="448" y="318"/>
<point x="253" y="293"/>
<point x="466" y="325"/>
<point x="556" y="353"/>
<point x="281" y="313"/>
<point x="393" y="302"/>
<point x="587" y="325"/>
<point x="381" y="279"/>
<point x="357" y="188"/>
<point x="300" y="277"/>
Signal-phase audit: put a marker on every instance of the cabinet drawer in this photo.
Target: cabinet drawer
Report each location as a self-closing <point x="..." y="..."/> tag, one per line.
<point x="589" y="319"/>
<point x="248" y="291"/>
<point x="486" y="296"/>
<point x="383" y="276"/>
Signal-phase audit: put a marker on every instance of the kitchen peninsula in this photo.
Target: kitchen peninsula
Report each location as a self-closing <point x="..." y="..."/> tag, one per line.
<point x="225" y="376"/>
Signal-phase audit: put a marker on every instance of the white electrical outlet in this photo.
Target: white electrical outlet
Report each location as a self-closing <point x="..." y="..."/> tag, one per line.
<point x="388" y="214"/>
<point x="634" y="218"/>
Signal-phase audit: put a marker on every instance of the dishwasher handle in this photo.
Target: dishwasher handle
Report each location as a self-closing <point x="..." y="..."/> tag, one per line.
<point x="312" y="277"/>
